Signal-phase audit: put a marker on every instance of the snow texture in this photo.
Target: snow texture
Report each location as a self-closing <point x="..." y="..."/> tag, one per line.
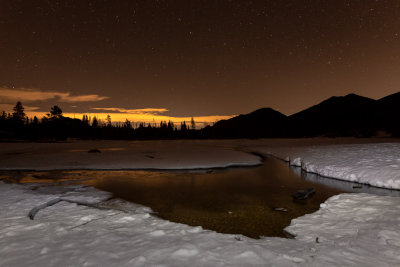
<point x="349" y="229"/>
<point x="373" y="164"/>
<point x="122" y="155"/>
<point x="376" y="164"/>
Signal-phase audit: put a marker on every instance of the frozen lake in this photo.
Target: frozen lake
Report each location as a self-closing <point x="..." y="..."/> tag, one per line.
<point x="255" y="201"/>
<point x="354" y="229"/>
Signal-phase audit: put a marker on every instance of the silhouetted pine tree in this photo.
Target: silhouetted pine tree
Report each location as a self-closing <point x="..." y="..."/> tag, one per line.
<point x="18" y="114"/>
<point x="193" y="124"/>
<point x="127" y="124"/>
<point x="35" y="121"/>
<point x="108" y="120"/>
<point x="183" y="126"/>
<point x="95" y="123"/>
<point x="55" y="112"/>
<point x="85" y="119"/>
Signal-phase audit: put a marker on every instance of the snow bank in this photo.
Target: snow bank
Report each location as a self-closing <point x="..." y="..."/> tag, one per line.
<point x="366" y="227"/>
<point x="373" y="164"/>
<point x="176" y="154"/>
<point x="352" y="229"/>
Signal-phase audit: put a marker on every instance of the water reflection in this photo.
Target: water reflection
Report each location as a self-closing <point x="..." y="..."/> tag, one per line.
<point x="237" y="201"/>
<point x="345" y="185"/>
<point x="250" y="201"/>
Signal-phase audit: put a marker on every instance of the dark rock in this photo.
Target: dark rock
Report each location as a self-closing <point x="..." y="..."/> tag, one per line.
<point x="289" y="235"/>
<point x="238" y="238"/>
<point x="279" y="209"/>
<point x="95" y="150"/>
<point x="304" y="193"/>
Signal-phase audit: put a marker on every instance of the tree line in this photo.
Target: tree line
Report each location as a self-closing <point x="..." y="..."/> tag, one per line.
<point x="55" y="127"/>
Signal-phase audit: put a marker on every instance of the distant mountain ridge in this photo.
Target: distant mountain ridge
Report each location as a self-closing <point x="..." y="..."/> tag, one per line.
<point x="350" y="115"/>
<point x="337" y="116"/>
<point x="248" y="125"/>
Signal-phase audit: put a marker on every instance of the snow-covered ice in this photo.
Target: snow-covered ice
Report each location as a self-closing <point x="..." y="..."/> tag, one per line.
<point x="175" y="154"/>
<point x="348" y="230"/>
<point x="373" y="164"/>
<point x="376" y="164"/>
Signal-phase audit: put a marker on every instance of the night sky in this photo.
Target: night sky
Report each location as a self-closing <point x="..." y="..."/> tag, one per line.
<point x="195" y="58"/>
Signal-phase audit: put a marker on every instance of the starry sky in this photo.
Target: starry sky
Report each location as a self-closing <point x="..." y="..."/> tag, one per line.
<point x="207" y="59"/>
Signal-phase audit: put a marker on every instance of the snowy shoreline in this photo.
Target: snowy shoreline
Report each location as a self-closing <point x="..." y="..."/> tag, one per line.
<point x="371" y="164"/>
<point x="348" y="229"/>
<point x="123" y="155"/>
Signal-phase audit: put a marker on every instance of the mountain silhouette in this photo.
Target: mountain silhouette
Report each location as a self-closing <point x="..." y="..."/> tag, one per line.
<point x="350" y="115"/>
<point x="264" y="122"/>
<point x="389" y="113"/>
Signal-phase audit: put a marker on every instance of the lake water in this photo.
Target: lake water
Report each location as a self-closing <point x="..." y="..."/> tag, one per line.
<point x="246" y="201"/>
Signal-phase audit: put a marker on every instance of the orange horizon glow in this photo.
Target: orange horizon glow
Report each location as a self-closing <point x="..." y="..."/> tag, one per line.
<point x="200" y="121"/>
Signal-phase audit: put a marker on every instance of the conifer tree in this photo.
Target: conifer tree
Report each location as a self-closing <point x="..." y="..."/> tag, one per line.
<point x="127" y="124"/>
<point x="18" y="114"/>
<point x="108" y="120"/>
<point x="95" y="123"/>
<point x="193" y="124"/>
<point x="55" y="112"/>
<point x="183" y="126"/>
<point x="35" y="120"/>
